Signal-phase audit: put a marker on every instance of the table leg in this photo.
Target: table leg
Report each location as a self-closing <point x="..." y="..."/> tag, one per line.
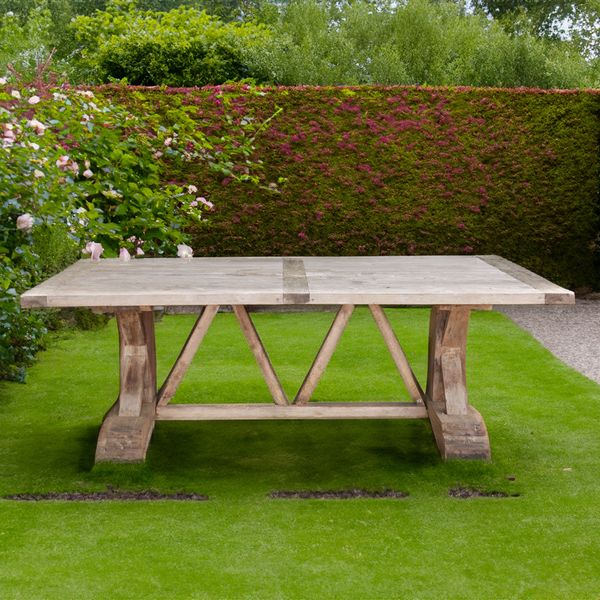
<point x="128" y="425"/>
<point x="458" y="428"/>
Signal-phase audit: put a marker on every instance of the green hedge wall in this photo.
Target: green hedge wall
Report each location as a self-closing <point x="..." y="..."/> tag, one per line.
<point x="407" y="170"/>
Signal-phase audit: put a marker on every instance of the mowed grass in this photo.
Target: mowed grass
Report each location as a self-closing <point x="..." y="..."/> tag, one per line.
<point x="544" y="424"/>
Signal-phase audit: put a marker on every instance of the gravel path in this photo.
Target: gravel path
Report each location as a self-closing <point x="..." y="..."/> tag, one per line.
<point x="572" y="333"/>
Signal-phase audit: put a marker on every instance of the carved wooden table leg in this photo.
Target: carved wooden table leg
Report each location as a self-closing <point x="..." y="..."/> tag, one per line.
<point x="128" y="425"/>
<point x="458" y="428"/>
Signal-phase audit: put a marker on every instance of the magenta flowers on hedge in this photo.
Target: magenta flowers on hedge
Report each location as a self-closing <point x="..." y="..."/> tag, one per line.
<point x="411" y="170"/>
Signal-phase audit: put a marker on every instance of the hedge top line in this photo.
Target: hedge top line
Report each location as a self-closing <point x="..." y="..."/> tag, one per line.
<point x="244" y="87"/>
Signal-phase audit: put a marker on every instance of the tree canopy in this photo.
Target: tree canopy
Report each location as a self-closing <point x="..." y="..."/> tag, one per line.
<point x="505" y="43"/>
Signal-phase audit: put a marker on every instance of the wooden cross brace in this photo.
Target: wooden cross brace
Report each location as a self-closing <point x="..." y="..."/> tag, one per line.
<point x="458" y="429"/>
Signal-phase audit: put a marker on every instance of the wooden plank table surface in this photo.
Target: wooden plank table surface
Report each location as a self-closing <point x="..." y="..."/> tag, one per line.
<point x="415" y="280"/>
<point x="452" y="285"/>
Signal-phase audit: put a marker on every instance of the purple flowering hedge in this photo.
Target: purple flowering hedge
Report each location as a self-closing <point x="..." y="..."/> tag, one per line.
<point x="405" y="170"/>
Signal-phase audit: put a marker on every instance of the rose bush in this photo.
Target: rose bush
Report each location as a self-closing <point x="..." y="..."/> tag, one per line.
<point x="95" y="170"/>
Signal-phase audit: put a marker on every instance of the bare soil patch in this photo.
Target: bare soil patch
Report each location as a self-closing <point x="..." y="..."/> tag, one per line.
<point x="465" y="492"/>
<point x="337" y="494"/>
<point x="107" y="496"/>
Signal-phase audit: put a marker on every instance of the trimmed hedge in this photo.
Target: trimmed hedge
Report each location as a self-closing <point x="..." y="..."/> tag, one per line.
<point x="408" y="170"/>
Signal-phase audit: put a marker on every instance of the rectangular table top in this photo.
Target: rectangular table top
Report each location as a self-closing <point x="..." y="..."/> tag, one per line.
<point x="414" y="280"/>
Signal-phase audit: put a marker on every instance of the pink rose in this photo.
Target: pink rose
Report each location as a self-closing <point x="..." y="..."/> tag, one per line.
<point x="184" y="251"/>
<point x="94" y="249"/>
<point x="62" y="161"/>
<point x="37" y="125"/>
<point x="124" y="255"/>
<point x="25" y="222"/>
<point x="206" y="202"/>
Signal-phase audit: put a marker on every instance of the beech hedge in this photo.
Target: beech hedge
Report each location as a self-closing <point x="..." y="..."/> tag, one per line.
<point x="405" y="170"/>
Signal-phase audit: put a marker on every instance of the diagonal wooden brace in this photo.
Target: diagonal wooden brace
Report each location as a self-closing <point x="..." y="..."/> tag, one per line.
<point x="261" y="356"/>
<point x="324" y="355"/>
<point x="169" y="387"/>
<point x="410" y="381"/>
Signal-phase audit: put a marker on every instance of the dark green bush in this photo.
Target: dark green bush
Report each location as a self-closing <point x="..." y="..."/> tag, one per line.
<point x="184" y="46"/>
<point x="317" y="43"/>
<point x="408" y="170"/>
<point x="22" y="333"/>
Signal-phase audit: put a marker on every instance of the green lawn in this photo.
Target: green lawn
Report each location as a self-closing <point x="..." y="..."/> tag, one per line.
<point x="544" y="425"/>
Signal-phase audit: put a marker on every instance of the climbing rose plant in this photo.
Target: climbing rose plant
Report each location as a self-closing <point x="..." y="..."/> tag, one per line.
<point x="77" y="161"/>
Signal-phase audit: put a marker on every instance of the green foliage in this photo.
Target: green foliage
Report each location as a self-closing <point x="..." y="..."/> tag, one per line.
<point x="22" y="334"/>
<point x="417" y="42"/>
<point x="77" y="167"/>
<point x="87" y="320"/>
<point x="578" y="21"/>
<point x="166" y="42"/>
<point x="25" y="42"/>
<point x="181" y="47"/>
<point x="54" y="248"/>
<point x="399" y="170"/>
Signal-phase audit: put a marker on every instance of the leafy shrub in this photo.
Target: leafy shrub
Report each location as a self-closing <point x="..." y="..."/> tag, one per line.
<point x="406" y="170"/>
<point x="54" y="248"/>
<point x="22" y="334"/>
<point x="184" y="46"/>
<point x="80" y="166"/>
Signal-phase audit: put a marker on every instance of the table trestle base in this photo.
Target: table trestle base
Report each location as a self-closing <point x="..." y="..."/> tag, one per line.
<point x="458" y="429"/>
<point x="459" y="436"/>
<point x="125" y="439"/>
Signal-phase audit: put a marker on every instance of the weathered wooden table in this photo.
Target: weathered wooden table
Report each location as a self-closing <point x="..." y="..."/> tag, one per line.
<point x="451" y="285"/>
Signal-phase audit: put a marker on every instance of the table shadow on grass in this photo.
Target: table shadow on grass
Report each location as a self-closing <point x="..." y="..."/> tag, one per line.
<point x="87" y="440"/>
<point x="288" y="453"/>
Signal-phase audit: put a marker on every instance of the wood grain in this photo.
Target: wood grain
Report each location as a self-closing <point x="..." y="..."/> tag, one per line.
<point x="553" y="294"/>
<point x="125" y="439"/>
<point x="137" y="361"/>
<point x="314" y="410"/>
<point x="383" y="280"/>
<point x="459" y="436"/>
<point x="458" y="429"/>
<point x="455" y="390"/>
<point x="295" y="284"/>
